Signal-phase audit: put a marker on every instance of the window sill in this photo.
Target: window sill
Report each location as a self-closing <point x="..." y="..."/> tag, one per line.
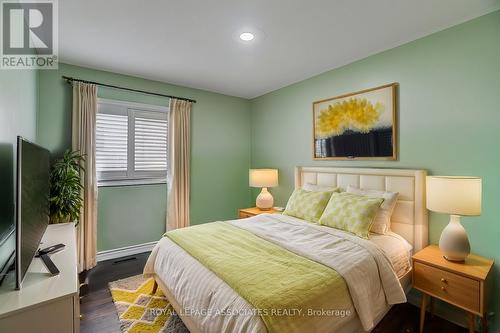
<point x="130" y="182"/>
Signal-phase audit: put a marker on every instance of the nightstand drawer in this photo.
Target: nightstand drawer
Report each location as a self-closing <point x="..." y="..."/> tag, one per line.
<point x="456" y="289"/>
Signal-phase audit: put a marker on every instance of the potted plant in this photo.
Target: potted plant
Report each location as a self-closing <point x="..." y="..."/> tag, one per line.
<point x="66" y="188"/>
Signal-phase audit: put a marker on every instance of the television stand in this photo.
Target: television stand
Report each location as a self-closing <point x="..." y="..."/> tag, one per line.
<point x="49" y="264"/>
<point x="44" y="255"/>
<point x="51" y="249"/>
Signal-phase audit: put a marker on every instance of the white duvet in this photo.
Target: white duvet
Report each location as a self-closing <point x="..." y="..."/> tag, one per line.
<point x="216" y="307"/>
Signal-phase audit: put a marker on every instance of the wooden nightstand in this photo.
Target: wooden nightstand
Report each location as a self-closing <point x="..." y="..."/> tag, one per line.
<point x="248" y="212"/>
<point x="466" y="285"/>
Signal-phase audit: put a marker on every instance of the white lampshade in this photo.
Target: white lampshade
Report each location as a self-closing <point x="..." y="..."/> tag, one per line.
<point x="263" y="177"/>
<point x="454" y="195"/>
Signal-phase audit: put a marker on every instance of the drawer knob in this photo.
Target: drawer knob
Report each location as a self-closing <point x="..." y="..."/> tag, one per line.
<point x="444" y="280"/>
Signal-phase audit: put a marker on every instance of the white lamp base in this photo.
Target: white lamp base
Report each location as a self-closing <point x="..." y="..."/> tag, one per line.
<point x="264" y="200"/>
<point x="454" y="242"/>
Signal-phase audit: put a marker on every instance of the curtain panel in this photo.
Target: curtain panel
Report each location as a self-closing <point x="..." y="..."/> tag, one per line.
<point x="179" y="156"/>
<point x="83" y="140"/>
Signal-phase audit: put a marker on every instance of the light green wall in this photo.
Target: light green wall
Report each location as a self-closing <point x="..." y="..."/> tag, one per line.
<point x="219" y="162"/>
<point x="449" y="117"/>
<point x="18" y="111"/>
<point x="137" y="223"/>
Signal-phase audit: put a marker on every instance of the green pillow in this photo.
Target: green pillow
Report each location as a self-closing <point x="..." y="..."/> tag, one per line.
<point x="307" y="205"/>
<point x="351" y="212"/>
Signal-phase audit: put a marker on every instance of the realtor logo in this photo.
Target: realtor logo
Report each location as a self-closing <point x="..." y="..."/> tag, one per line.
<point x="29" y="34"/>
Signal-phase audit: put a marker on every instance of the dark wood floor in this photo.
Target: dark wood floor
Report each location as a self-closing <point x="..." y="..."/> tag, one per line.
<point x="99" y="315"/>
<point x="97" y="308"/>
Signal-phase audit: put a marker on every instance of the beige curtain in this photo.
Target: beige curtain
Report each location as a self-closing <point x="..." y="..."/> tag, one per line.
<point x="178" y="164"/>
<point x="83" y="140"/>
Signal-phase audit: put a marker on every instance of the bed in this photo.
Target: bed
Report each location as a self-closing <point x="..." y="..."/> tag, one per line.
<point x="376" y="272"/>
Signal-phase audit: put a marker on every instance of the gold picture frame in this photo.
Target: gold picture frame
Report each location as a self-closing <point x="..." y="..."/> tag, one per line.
<point x="357" y="126"/>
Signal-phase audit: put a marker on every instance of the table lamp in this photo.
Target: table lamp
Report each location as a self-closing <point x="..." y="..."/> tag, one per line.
<point x="457" y="196"/>
<point x="264" y="178"/>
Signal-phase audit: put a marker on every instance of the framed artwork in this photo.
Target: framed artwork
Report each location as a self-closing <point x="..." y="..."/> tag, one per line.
<point x="360" y="125"/>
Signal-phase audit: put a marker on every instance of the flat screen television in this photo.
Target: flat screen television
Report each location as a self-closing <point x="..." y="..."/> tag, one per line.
<point x="32" y="203"/>
<point x="7" y="227"/>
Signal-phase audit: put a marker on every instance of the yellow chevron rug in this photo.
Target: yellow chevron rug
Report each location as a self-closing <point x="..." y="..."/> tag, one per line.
<point x="140" y="311"/>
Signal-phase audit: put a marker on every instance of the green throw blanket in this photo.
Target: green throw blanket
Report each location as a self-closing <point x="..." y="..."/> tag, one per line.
<point x="290" y="292"/>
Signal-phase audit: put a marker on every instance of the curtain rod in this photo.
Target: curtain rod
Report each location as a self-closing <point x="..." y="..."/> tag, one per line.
<point x="71" y="79"/>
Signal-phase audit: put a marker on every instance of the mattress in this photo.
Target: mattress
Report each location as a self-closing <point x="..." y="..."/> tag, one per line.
<point x="199" y="293"/>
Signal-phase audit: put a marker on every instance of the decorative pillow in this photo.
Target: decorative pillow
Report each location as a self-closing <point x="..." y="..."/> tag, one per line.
<point x="351" y="212"/>
<point x="382" y="222"/>
<point x="307" y="205"/>
<point x="319" y="188"/>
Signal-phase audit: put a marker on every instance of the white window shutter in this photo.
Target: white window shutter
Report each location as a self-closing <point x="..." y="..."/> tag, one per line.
<point x="111" y="142"/>
<point x="150" y="140"/>
<point x="131" y="143"/>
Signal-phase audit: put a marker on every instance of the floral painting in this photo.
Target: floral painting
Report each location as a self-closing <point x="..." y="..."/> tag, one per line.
<point x="358" y="125"/>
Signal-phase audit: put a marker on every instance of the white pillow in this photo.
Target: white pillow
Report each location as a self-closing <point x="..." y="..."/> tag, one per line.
<point x="319" y="188"/>
<point x="382" y="221"/>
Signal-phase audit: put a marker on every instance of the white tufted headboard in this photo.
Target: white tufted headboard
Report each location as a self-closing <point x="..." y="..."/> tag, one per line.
<point x="410" y="214"/>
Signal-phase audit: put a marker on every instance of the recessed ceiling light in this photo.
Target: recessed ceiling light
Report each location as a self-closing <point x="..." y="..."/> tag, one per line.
<point x="247" y="36"/>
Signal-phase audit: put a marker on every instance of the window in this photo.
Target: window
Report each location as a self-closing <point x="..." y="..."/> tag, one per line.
<point x="131" y="143"/>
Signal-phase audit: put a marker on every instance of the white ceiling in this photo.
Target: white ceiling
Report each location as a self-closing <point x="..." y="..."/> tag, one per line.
<point x="195" y="44"/>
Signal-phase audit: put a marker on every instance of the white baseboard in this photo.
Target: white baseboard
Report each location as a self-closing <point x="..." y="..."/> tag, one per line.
<point x="125" y="251"/>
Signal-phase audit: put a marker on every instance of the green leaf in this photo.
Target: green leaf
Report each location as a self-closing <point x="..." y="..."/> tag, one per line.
<point x="66" y="186"/>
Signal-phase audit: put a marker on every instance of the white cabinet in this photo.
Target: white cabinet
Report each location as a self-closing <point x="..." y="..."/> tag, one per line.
<point x="45" y="304"/>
